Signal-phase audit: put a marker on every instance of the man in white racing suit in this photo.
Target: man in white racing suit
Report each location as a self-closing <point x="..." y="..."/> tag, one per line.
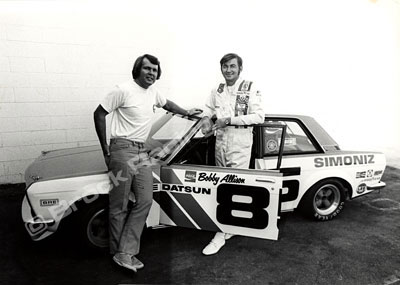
<point x="236" y="104"/>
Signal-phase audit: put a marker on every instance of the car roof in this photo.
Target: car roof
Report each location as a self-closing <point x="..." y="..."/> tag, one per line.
<point x="320" y="135"/>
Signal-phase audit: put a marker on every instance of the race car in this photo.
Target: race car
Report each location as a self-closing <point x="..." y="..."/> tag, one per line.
<point x="295" y="164"/>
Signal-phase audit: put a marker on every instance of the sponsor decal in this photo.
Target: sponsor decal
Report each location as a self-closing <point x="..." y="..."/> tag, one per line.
<point x="290" y="141"/>
<point x="272" y="145"/>
<point x="242" y="105"/>
<point x="190" y="176"/>
<point x="344" y="160"/>
<point x="369" y="175"/>
<point x="221" y="88"/>
<point x="48" y="202"/>
<point x="364" y="174"/>
<point x="361" y="174"/>
<point x="241" y="99"/>
<point x="185" y="189"/>
<point x="370" y="179"/>
<point x="215" y="179"/>
<point x="361" y="188"/>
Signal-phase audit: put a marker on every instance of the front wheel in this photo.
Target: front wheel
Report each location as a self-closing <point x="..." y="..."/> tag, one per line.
<point x="324" y="200"/>
<point x="94" y="225"/>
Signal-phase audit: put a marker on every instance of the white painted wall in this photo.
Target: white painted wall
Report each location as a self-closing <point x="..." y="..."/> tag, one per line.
<point x="57" y="62"/>
<point x="337" y="61"/>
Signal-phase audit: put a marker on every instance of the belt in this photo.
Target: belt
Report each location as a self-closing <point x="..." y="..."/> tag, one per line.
<point x="114" y="140"/>
<point x="240" y="127"/>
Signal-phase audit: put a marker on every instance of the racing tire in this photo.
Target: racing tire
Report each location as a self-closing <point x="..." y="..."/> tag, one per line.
<point x="93" y="225"/>
<point x="324" y="200"/>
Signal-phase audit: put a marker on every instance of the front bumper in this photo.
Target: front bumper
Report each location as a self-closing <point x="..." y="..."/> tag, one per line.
<point x="36" y="226"/>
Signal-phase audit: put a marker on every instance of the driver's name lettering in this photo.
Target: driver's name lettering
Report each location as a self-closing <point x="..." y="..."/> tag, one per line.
<point x="211" y="177"/>
<point x="186" y="189"/>
<point x="215" y="179"/>
<point x="231" y="178"/>
<point x="344" y="160"/>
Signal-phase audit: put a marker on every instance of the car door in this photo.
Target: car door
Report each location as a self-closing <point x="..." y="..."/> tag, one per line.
<point x="291" y="157"/>
<point x="237" y="201"/>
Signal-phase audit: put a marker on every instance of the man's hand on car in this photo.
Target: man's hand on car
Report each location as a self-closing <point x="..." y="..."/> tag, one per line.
<point x="206" y="126"/>
<point x="194" y="111"/>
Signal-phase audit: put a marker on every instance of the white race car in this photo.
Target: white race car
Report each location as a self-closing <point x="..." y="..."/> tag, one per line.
<point x="295" y="164"/>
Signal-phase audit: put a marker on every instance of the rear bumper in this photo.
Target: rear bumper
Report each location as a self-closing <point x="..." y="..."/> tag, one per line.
<point x="377" y="186"/>
<point x="367" y="189"/>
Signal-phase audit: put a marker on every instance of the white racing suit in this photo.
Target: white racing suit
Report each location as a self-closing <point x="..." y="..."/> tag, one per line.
<point x="243" y="103"/>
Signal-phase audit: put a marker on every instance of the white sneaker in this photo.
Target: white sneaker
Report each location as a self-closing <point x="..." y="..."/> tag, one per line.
<point x="124" y="260"/>
<point x="215" y="244"/>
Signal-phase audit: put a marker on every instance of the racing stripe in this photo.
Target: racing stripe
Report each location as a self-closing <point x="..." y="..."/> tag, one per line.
<point x="156" y="197"/>
<point x="173" y="212"/>
<point x="196" y="212"/>
<point x="245" y="85"/>
<point x="156" y="178"/>
<point x="250" y="83"/>
<point x="241" y="85"/>
<point x="168" y="176"/>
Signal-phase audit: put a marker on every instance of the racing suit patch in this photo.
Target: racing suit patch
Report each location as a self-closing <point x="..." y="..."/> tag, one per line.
<point x="242" y="105"/>
<point x="221" y="88"/>
<point x="245" y="85"/>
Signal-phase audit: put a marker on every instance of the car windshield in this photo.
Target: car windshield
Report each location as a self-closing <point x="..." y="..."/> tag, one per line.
<point x="169" y="133"/>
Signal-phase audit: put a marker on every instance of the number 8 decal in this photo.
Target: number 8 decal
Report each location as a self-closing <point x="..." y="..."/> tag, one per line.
<point x="259" y="201"/>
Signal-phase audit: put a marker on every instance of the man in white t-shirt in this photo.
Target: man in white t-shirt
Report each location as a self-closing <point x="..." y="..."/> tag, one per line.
<point x="131" y="104"/>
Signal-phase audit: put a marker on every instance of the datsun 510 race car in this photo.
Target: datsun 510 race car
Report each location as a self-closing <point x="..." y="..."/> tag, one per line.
<point x="295" y="164"/>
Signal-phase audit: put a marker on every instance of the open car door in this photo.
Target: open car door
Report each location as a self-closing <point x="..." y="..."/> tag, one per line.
<point x="191" y="192"/>
<point x="237" y="201"/>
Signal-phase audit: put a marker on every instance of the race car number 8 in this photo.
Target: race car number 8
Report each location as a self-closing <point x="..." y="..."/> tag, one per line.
<point x="258" y="218"/>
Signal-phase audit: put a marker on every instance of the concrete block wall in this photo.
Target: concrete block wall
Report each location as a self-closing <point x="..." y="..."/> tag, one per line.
<point x="59" y="59"/>
<point x="53" y="74"/>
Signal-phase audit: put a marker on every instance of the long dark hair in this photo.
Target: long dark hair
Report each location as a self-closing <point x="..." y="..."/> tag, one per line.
<point x="139" y="62"/>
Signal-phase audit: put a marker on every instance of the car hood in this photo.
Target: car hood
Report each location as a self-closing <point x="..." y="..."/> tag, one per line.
<point x="63" y="163"/>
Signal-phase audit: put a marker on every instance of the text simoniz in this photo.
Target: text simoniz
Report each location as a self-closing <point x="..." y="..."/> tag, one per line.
<point x="344" y="160"/>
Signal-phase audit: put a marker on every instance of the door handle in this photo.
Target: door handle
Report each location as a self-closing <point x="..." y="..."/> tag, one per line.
<point x="267" y="180"/>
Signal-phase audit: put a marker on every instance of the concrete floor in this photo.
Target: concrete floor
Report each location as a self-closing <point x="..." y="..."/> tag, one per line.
<point x="360" y="246"/>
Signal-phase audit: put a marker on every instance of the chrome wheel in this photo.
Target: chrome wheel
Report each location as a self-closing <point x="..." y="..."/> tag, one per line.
<point x="327" y="199"/>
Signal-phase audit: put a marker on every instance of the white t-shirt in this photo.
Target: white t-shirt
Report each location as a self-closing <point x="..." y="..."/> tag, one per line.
<point x="132" y="108"/>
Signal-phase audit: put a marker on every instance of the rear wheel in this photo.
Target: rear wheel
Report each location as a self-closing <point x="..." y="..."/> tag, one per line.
<point x="324" y="200"/>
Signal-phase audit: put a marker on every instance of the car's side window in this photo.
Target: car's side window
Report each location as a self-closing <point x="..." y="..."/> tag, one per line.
<point x="296" y="140"/>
